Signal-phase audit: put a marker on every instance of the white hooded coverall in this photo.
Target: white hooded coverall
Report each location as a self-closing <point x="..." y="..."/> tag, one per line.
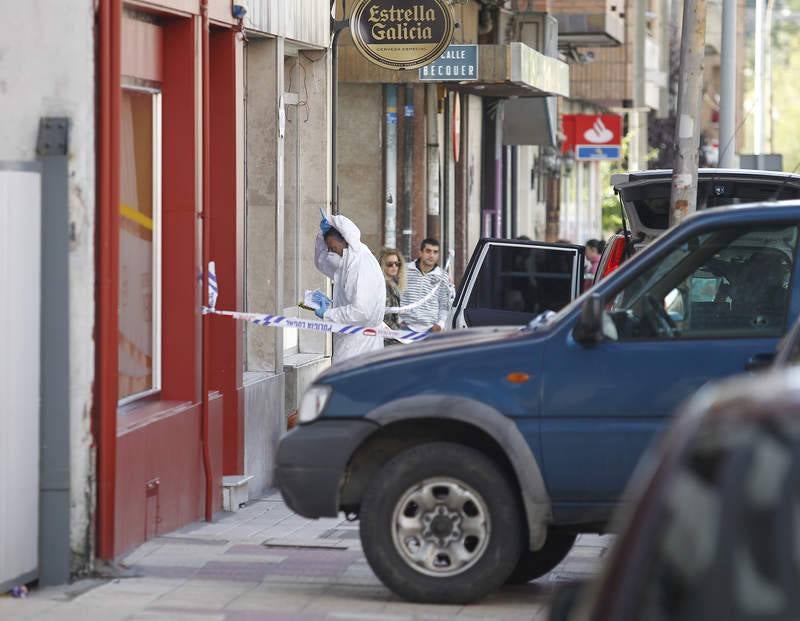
<point x="359" y="290"/>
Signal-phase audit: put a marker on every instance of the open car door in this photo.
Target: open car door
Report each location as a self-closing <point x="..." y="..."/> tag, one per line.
<point x="509" y="282"/>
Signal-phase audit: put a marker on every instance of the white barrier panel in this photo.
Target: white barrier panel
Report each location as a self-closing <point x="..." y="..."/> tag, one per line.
<point x="20" y="273"/>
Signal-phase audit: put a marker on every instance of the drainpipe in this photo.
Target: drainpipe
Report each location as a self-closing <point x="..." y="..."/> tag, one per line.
<point x="513" y="163"/>
<point x="498" y="171"/>
<point x="408" y="169"/>
<point x="338" y="27"/>
<point x="206" y="224"/>
<point x="105" y="432"/>
<point x="431" y="117"/>
<point x="390" y="170"/>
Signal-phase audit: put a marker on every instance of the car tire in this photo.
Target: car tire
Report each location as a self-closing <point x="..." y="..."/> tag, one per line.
<point x="535" y="564"/>
<point x="441" y="523"/>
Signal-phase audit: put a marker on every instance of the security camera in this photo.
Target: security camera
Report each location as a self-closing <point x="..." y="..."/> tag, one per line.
<point x="239" y="9"/>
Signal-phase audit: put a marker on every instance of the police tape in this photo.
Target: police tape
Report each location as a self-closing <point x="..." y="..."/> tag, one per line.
<point x="314" y="325"/>
<point x="413" y="305"/>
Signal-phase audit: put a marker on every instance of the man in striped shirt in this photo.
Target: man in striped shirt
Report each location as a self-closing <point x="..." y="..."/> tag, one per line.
<point x="424" y="275"/>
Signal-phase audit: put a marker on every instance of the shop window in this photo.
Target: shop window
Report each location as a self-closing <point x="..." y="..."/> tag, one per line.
<point x="140" y="245"/>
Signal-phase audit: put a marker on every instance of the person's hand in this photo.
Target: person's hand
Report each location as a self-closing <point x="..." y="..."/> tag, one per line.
<point x="320" y="298"/>
<point x="436" y="328"/>
<point x="324" y="226"/>
<point x="324" y="305"/>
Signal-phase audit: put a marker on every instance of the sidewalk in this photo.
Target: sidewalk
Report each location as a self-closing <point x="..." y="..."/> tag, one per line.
<point x="264" y="563"/>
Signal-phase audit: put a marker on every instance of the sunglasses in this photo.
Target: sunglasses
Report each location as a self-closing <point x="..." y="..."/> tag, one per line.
<point x="392" y="264"/>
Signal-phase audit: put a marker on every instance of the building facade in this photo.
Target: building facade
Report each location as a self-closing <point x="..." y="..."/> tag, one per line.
<point x="163" y="134"/>
<point x="449" y="159"/>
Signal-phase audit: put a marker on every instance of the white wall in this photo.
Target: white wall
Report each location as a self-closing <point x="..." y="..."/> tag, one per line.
<point x="474" y="145"/>
<point x="47" y="69"/>
<point x="298" y="20"/>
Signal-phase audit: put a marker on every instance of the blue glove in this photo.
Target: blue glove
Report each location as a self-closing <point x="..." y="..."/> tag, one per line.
<point x="320" y="298"/>
<point x="323" y="306"/>
<point x="324" y="226"/>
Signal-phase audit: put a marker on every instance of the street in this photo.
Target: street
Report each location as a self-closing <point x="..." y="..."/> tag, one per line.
<point x="263" y="563"/>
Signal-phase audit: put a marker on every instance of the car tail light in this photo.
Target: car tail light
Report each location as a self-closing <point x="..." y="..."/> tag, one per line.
<point x="616" y="256"/>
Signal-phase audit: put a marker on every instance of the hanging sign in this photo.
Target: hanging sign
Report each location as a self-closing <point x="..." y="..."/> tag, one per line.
<point x="594" y="136"/>
<point x="401" y="34"/>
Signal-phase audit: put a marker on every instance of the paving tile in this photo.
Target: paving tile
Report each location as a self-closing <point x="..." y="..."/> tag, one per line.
<point x="178" y="614"/>
<point x="140" y="553"/>
<point x="263" y="563"/>
<point x="196" y="594"/>
<point x="359" y="616"/>
<point x="418" y="610"/>
<point x="285" y="600"/>
<point x="168" y="571"/>
<point x="12" y="609"/>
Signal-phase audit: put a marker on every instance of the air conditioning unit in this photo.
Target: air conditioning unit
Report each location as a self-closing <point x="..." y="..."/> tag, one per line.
<point x="538" y="31"/>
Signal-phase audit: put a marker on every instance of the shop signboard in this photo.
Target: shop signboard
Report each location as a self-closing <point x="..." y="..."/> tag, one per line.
<point x="458" y="63"/>
<point x="593" y="136"/>
<point x="401" y="34"/>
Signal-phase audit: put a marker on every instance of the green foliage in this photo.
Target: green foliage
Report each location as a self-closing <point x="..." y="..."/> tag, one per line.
<point x="612" y="210"/>
<point x="785" y="101"/>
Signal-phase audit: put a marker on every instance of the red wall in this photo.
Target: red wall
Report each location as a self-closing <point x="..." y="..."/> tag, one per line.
<point x="162" y="447"/>
<point x="227" y="244"/>
<point x="158" y="480"/>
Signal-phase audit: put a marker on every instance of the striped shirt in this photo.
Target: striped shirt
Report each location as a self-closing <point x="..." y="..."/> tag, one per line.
<point x="418" y="285"/>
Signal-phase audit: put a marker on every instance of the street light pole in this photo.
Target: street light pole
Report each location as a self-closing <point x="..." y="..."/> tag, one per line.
<point x="727" y="78"/>
<point x="683" y="199"/>
<point x="758" y="77"/>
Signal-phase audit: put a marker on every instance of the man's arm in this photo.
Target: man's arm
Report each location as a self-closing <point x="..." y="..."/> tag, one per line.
<point x="327" y="262"/>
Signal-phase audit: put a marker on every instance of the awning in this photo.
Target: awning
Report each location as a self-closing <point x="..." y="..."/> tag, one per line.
<point x="513" y="70"/>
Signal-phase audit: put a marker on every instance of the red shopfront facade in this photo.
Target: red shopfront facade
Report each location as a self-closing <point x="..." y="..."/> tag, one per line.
<point x="166" y="69"/>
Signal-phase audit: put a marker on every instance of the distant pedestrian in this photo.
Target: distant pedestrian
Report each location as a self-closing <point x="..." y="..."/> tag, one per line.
<point x="425" y="275"/>
<point x="594" y="250"/>
<point x="394" y="273"/>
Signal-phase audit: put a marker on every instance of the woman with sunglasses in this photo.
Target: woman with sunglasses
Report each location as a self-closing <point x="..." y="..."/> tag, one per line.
<point x="394" y="273"/>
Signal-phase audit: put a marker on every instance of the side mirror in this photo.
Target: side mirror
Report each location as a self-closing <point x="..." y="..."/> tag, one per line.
<point x="589" y="329"/>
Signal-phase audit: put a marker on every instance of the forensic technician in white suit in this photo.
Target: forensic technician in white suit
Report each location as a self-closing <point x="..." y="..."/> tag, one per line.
<point x="359" y="291"/>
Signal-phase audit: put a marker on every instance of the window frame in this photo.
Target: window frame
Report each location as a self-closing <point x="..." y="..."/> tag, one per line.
<point x="156" y="283"/>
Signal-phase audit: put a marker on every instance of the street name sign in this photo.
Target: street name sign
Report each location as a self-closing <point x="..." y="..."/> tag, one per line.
<point x="458" y="63"/>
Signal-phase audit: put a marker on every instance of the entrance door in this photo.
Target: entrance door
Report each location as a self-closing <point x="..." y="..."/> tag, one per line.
<point x="509" y="282"/>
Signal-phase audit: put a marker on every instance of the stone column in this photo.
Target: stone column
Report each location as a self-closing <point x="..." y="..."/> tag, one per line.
<point x="265" y="246"/>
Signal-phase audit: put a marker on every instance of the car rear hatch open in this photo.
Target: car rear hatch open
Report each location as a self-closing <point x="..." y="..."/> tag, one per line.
<point x="645" y="195"/>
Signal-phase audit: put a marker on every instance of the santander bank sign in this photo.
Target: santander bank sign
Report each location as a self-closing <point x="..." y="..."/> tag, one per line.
<point x="593" y="136"/>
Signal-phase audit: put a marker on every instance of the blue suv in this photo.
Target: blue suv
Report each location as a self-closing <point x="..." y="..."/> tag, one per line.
<point x="475" y="458"/>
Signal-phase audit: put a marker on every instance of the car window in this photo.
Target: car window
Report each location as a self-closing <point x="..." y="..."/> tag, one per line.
<point x="524" y="279"/>
<point x="727" y="542"/>
<point x="731" y="283"/>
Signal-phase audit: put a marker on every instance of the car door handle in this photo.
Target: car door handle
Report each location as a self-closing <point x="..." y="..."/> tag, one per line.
<point x="759" y="361"/>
